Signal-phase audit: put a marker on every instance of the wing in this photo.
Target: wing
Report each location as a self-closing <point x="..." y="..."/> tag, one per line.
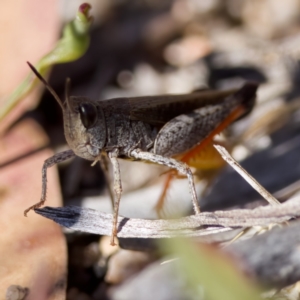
<point x="157" y="110"/>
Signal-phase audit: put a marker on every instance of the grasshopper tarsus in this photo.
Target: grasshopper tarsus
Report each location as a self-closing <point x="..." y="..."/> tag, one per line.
<point x="33" y="207"/>
<point x="113" y="237"/>
<point x="26" y="211"/>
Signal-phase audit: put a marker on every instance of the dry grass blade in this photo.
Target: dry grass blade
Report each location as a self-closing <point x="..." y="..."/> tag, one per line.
<point x="92" y="221"/>
<point x="237" y="167"/>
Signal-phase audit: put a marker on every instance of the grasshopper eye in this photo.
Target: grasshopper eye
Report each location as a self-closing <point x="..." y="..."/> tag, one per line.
<point x="88" y="114"/>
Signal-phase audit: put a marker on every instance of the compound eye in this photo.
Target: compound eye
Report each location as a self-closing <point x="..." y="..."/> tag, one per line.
<point x="88" y="114"/>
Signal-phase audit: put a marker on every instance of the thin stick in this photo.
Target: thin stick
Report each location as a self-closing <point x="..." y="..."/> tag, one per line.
<point x="235" y="165"/>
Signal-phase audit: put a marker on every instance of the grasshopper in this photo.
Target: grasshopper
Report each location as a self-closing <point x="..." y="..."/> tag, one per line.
<point x="152" y="129"/>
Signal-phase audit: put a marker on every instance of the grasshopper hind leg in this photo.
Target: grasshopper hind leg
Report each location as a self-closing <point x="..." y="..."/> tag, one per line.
<point x="181" y="167"/>
<point x="159" y="206"/>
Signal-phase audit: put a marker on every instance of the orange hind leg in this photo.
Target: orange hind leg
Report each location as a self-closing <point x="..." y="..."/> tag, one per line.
<point x="203" y="156"/>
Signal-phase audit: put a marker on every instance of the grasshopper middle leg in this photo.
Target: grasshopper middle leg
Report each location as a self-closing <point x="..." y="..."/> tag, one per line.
<point x="113" y="156"/>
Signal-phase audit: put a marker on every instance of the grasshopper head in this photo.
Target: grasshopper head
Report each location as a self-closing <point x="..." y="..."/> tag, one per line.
<point x="84" y="122"/>
<point x="84" y="126"/>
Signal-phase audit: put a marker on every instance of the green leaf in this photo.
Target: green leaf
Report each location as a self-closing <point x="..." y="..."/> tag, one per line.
<point x="73" y="44"/>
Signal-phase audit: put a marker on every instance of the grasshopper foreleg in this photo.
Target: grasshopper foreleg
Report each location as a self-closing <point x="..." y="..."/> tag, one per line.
<point x="51" y="161"/>
<point x="113" y="156"/>
<point x="174" y="164"/>
<point x="104" y="166"/>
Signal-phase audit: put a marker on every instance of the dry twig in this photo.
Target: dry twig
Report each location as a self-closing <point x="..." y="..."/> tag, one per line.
<point x="237" y="167"/>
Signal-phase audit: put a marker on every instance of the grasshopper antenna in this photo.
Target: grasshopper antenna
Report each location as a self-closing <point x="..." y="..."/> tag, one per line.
<point x="49" y="88"/>
<point x="67" y="90"/>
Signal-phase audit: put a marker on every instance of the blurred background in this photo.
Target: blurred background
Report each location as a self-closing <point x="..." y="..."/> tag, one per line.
<point x="137" y="48"/>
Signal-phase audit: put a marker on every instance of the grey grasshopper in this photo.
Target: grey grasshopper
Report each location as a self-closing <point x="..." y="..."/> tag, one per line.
<point x="152" y="129"/>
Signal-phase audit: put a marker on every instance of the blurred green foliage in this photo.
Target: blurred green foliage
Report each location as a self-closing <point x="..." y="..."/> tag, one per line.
<point x="210" y="273"/>
<point x="73" y="44"/>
